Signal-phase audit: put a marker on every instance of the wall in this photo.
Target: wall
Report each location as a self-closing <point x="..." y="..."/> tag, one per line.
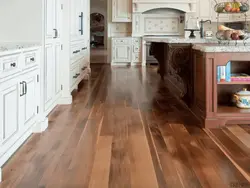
<point x="18" y="24"/>
<point x="100" y="6"/>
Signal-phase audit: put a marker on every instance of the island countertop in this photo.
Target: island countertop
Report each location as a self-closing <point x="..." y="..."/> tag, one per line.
<point x="179" y="39"/>
<point x="222" y="47"/>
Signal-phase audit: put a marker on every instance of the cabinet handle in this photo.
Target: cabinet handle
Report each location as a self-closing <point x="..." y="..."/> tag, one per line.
<point x="13" y="64"/>
<point x="25" y="87"/>
<point x="77" y="51"/>
<point x="22" y="86"/>
<point x="32" y="59"/>
<point x="56" y="33"/>
<point x="75" y="76"/>
<point x="84" y="68"/>
<point x="84" y="48"/>
<point x="81" y="23"/>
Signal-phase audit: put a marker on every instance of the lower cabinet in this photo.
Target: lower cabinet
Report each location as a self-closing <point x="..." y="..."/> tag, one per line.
<point x="19" y="101"/>
<point x="126" y="50"/>
<point x="122" y="53"/>
<point x="52" y="84"/>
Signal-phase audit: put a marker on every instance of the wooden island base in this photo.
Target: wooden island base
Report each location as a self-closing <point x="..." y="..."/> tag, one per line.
<point x="213" y="100"/>
<point x="193" y="75"/>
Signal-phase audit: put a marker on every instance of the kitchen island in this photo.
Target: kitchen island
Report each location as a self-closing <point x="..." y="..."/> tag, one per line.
<point x="213" y="100"/>
<point x="174" y="55"/>
<point x="190" y="68"/>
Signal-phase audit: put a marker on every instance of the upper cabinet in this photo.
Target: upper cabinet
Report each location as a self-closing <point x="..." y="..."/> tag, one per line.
<point x="205" y="11"/>
<point x="77" y="18"/>
<point x="121" y="10"/>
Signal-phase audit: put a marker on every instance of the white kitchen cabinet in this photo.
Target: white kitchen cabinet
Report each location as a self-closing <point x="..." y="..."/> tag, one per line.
<point x="9" y="112"/>
<point x="49" y="70"/>
<point x="126" y="50"/>
<point x="204" y="9"/>
<point x="121" y="10"/>
<point x="77" y="19"/>
<point x="19" y="103"/>
<point x="29" y="103"/>
<point x="122" y="53"/>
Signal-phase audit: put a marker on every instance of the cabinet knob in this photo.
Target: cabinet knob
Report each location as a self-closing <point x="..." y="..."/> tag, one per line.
<point x="13" y="64"/>
<point x="32" y="59"/>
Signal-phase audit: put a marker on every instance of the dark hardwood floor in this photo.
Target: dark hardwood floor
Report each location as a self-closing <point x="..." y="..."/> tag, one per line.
<point x="125" y="130"/>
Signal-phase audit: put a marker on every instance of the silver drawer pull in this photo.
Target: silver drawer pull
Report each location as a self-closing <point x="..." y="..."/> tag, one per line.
<point x="13" y="64"/>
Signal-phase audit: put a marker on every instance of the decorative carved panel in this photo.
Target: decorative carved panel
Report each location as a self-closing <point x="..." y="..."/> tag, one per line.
<point x="161" y="25"/>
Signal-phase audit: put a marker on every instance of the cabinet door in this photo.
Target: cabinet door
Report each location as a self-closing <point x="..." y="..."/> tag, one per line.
<point x="29" y="101"/>
<point x="121" y="11"/>
<point x="58" y="17"/>
<point x="49" y="81"/>
<point x="49" y="19"/>
<point x="9" y="112"/>
<point x="57" y="73"/>
<point x="122" y="53"/>
<point x="204" y="9"/>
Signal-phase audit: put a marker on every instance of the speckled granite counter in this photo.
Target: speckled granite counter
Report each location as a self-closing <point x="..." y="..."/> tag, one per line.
<point x="222" y="48"/>
<point x="178" y="40"/>
<point x="8" y="48"/>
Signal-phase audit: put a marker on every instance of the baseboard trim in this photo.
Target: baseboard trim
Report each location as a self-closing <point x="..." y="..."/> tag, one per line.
<point x="41" y="126"/>
<point x="65" y="100"/>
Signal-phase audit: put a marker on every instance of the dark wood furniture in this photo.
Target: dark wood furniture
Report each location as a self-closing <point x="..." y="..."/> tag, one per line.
<point x="175" y="65"/>
<point x="213" y="101"/>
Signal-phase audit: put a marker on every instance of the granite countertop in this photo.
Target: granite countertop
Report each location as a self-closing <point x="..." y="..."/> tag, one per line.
<point x="222" y="47"/>
<point x="180" y="39"/>
<point x="6" y="48"/>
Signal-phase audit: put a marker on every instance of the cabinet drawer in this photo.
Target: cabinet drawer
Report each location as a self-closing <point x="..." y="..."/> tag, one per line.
<point x="136" y="48"/>
<point x="137" y="41"/>
<point x="121" y="41"/>
<point x="31" y="59"/>
<point x="136" y="57"/>
<point x="74" y="74"/>
<point x="9" y="65"/>
<point x="75" y="51"/>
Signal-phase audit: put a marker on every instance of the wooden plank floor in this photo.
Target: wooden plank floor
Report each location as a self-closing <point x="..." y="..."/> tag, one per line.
<point x="125" y="130"/>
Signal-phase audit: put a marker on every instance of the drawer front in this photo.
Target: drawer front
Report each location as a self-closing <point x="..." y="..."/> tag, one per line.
<point x="74" y="74"/>
<point x="121" y="41"/>
<point x="136" y="49"/>
<point x="137" y="41"/>
<point x="31" y="59"/>
<point x="136" y="57"/>
<point x="9" y="65"/>
<point x="75" y="51"/>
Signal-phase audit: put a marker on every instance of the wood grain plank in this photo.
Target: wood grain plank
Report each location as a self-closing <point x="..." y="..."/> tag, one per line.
<point x="241" y="134"/>
<point x="101" y="167"/>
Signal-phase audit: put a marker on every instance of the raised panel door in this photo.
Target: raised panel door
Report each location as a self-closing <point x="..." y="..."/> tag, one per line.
<point x="49" y="73"/>
<point x="57" y="73"/>
<point x="58" y="18"/>
<point x="9" y="111"/>
<point x="121" y="11"/>
<point x="204" y="9"/>
<point x="49" y="19"/>
<point x="29" y="100"/>
<point x="122" y="53"/>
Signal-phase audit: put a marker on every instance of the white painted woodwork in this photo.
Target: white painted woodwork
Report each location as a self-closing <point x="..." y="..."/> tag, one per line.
<point x="49" y="70"/>
<point x="29" y="102"/>
<point x="122" y="53"/>
<point x="19" y="102"/>
<point x="121" y="10"/>
<point x="9" y="111"/>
